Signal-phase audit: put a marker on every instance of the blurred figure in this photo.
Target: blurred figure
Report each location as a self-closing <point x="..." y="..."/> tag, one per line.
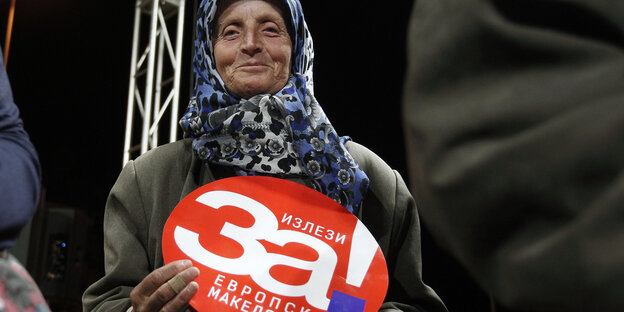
<point x="514" y="117"/>
<point x="19" y="195"/>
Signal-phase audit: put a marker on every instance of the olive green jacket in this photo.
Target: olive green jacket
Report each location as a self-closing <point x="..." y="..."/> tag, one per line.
<point x="150" y="187"/>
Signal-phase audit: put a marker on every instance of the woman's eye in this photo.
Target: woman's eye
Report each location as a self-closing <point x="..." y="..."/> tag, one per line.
<point x="272" y="30"/>
<point x="229" y="32"/>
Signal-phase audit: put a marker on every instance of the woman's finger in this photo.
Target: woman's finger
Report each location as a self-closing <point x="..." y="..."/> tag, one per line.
<point x="182" y="299"/>
<point x="141" y="294"/>
<point x="177" y="283"/>
<point x="166" y="294"/>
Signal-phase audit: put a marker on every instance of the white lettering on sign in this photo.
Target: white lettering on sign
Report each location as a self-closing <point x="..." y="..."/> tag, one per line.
<point x="258" y="295"/>
<point x="315" y="229"/>
<point x="219" y="280"/>
<point x="214" y="292"/>
<point x="276" y="304"/>
<point x="246" y="305"/>
<point x="230" y="297"/>
<point x="255" y="260"/>
<point x="232" y="285"/>
<point x="235" y="301"/>
<point x="363" y="249"/>
<point x="289" y="307"/>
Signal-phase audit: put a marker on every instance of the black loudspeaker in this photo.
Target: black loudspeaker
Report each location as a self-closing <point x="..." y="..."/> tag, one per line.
<point x="58" y="254"/>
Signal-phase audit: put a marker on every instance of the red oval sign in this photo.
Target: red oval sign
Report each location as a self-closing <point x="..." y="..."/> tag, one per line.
<point x="264" y="244"/>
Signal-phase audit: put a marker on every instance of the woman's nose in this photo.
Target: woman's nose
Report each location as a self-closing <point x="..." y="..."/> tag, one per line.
<point x="251" y="43"/>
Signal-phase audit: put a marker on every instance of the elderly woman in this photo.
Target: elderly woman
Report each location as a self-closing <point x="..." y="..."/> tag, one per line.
<point x="253" y="113"/>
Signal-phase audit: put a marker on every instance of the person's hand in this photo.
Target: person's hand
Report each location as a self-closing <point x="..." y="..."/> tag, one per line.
<point x="168" y="288"/>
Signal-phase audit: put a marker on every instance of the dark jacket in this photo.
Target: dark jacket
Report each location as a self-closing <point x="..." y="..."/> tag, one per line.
<point x="514" y="117"/>
<point x="150" y="187"/>
<point x="19" y="168"/>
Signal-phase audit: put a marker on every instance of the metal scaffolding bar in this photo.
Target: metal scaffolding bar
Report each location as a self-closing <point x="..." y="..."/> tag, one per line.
<point x="173" y="134"/>
<point x="152" y="73"/>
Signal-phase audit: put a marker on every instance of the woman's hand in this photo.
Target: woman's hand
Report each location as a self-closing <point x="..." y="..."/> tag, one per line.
<point x="168" y="288"/>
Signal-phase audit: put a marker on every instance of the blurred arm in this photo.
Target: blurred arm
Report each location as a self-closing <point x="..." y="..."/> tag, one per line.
<point x="19" y="168"/>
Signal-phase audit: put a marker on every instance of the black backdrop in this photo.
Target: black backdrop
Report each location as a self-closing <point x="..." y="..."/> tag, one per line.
<point x="69" y="65"/>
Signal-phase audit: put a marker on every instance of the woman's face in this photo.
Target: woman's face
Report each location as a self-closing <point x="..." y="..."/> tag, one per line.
<point x="252" y="48"/>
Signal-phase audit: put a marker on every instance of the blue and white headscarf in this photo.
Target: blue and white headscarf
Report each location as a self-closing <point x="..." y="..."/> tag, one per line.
<point x="281" y="134"/>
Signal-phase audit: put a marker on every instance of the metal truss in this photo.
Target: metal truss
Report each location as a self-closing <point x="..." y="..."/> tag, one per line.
<point x="154" y="75"/>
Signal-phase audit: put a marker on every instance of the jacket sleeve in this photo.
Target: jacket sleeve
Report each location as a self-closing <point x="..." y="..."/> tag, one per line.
<point x="513" y="115"/>
<point x="125" y="256"/>
<point x="19" y="168"/>
<point x="390" y="213"/>
<point x="407" y="290"/>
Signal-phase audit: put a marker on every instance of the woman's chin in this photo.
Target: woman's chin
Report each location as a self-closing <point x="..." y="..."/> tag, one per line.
<point x="257" y="86"/>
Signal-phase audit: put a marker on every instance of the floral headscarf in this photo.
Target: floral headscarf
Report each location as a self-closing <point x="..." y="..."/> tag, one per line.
<point x="286" y="133"/>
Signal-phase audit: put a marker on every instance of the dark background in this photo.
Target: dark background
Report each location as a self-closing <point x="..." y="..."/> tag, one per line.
<point x="69" y="68"/>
